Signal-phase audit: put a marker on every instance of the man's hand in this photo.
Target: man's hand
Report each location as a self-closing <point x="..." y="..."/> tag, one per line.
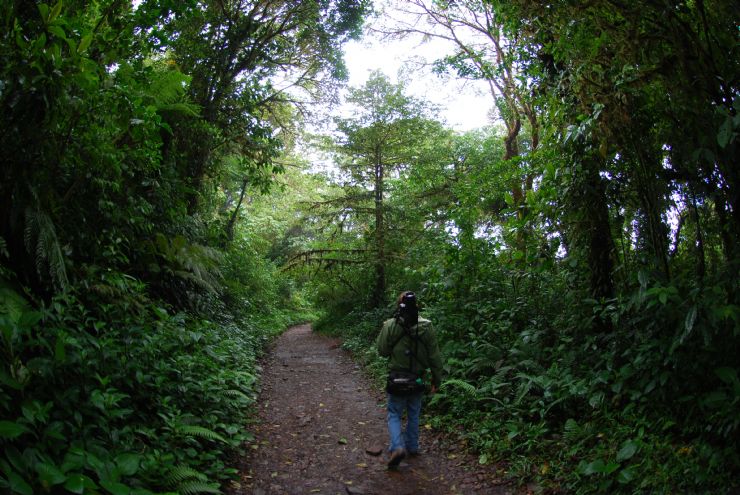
<point x="433" y="390"/>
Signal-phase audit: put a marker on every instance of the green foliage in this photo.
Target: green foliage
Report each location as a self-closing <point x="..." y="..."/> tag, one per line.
<point x="581" y="273"/>
<point x="587" y="414"/>
<point x="129" y="322"/>
<point x="181" y="271"/>
<point x="153" y="393"/>
<point x="590" y="326"/>
<point x="41" y="239"/>
<point x="354" y="236"/>
<point x="194" y="487"/>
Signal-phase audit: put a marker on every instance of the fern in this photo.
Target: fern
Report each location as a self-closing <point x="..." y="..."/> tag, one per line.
<point x="501" y="373"/>
<point x="203" y="263"/>
<point x="526" y="384"/>
<point x="201" y="432"/>
<point x="193" y="487"/>
<point x="192" y="262"/>
<point x="492" y="386"/>
<point x="465" y="386"/>
<point x="184" y="108"/>
<point x="179" y="474"/>
<point x="40" y="237"/>
<point x="168" y="87"/>
<point x="571" y="430"/>
<point x="236" y="393"/>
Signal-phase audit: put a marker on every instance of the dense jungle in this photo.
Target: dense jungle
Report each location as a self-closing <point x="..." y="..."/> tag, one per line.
<point x="170" y="204"/>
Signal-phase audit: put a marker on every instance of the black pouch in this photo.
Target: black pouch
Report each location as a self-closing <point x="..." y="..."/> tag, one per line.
<point x="403" y="383"/>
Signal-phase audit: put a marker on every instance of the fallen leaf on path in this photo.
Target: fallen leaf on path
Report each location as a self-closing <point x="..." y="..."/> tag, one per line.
<point x="361" y="465"/>
<point x="342" y="441"/>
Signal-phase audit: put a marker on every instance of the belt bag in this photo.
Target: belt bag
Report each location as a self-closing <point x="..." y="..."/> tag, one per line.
<point x="403" y="383"/>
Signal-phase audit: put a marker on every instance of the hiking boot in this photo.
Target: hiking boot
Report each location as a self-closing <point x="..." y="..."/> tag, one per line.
<point x="396" y="458"/>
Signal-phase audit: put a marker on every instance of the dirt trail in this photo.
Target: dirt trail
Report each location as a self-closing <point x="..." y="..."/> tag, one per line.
<point x="318" y="417"/>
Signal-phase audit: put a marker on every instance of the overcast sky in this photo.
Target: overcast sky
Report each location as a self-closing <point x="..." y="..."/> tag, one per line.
<point x="465" y="105"/>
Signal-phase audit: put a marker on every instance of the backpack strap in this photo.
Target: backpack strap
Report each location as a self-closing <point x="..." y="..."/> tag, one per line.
<point x="415" y="338"/>
<point x="403" y="333"/>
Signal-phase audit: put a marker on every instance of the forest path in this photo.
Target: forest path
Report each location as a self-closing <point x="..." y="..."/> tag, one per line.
<point x="318" y="417"/>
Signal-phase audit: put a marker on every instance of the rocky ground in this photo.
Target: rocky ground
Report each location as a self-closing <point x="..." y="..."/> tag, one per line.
<point x="321" y="429"/>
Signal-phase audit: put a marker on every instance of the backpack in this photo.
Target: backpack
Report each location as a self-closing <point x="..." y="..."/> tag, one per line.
<point x="406" y="382"/>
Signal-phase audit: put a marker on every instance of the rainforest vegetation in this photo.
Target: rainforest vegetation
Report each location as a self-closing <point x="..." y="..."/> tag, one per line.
<point x="161" y="220"/>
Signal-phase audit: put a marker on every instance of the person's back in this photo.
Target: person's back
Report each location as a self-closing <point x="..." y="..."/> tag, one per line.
<point x="410" y="344"/>
<point x="411" y="349"/>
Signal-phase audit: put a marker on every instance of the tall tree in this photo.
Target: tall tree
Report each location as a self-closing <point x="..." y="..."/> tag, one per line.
<point x="656" y="86"/>
<point x="247" y="57"/>
<point x="385" y="135"/>
<point x="482" y="51"/>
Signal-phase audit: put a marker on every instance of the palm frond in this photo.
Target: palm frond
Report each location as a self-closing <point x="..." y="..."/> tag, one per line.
<point x="41" y="238"/>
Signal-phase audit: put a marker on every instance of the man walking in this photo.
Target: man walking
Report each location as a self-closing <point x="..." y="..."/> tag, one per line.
<point x="411" y="346"/>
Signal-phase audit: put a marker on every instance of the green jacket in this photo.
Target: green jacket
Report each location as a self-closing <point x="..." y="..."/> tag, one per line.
<point x="426" y="350"/>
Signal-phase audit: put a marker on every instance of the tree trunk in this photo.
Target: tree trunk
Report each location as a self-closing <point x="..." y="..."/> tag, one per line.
<point x="600" y="242"/>
<point x="232" y="220"/>
<point x="701" y="264"/>
<point x="379" y="293"/>
<point x="591" y="230"/>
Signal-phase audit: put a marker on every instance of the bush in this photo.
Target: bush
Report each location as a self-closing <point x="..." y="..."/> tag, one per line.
<point x="121" y="395"/>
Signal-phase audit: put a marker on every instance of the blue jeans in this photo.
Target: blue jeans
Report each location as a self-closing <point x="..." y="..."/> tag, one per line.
<point x="408" y="439"/>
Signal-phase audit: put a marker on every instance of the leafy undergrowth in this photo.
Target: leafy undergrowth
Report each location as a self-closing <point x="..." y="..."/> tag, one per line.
<point x="594" y="415"/>
<point x="107" y="392"/>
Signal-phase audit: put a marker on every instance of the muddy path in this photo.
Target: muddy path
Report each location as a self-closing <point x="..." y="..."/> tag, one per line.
<point x="321" y="427"/>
